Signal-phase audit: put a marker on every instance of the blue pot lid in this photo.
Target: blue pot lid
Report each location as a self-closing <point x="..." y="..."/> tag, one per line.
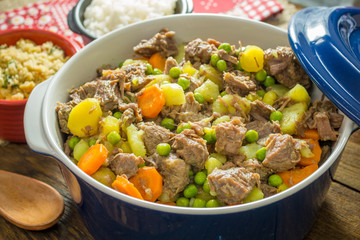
<point x="327" y="43"/>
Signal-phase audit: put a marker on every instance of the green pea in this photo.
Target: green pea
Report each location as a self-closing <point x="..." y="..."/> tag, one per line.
<point x="210" y="137"/>
<point x="121" y="64"/>
<point x="92" y="142"/>
<point x="163" y="149"/>
<point x="238" y="66"/>
<point x="168" y="123"/>
<point x="181" y="127"/>
<point x="223" y="93"/>
<point x="191" y="173"/>
<point x="206" y="186"/>
<point x="261" y="93"/>
<point x="184" y="82"/>
<point x="182" y="202"/>
<point x="156" y="71"/>
<point x="113" y="137"/>
<point x="260" y="154"/>
<point x="221" y="65"/>
<point x="190" y="191"/>
<point x="276" y="116"/>
<point x="199" y="97"/>
<point x="251" y="136"/>
<point x="73" y="141"/>
<point x="117" y="115"/>
<point x="261" y="75"/>
<point x="200" y="178"/>
<point x="149" y="69"/>
<point x="174" y="72"/>
<point x="212" y="203"/>
<point x="140" y="165"/>
<point x="199" y="203"/>
<point x="275" y="180"/>
<point x="225" y="46"/>
<point x="269" y="81"/>
<point x="214" y="59"/>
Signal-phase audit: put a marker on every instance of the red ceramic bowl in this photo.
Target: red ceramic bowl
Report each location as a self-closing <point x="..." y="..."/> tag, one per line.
<point x="12" y="111"/>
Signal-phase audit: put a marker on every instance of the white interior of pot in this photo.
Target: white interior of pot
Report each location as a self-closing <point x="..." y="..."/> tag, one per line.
<point x="117" y="46"/>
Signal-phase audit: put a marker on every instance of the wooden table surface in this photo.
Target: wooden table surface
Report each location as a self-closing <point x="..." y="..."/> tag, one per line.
<point x="338" y="218"/>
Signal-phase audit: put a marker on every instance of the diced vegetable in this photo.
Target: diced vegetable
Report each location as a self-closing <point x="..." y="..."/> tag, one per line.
<point x="84" y="118"/>
<point x="292" y="115"/>
<point x="125" y="146"/>
<point x="312" y="133"/>
<point x="294" y="176"/>
<point x="209" y="90"/>
<point x="219" y="156"/>
<point x="210" y="73"/>
<point x="105" y="176"/>
<point x="211" y="163"/>
<point x="151" y="101"/>
<point x="109" y="124"/>
<point x="157" y="61"/>
<point x="250" y="150"/>
<point x="189" y="69"/>
<point x="252" y="59"/>
<point x="279" y="89"/>
<point x="299" y="94"/>
<point x="123" y="185"/>
<point x="159" y="79"/>
<point x="174" y="94"/>
<point x="93" y="158"/>
<point x="221" y="119"/>
<point x="229" y="101"/>
<point x="254" y="195"/>
<point x="80" y="148"/>
<point x="181" y="53"/>
<point x="270" y="97"/>
<point x="316" y="154"/>
<point x="135" y="140"/>
<point x="149" y="183"/>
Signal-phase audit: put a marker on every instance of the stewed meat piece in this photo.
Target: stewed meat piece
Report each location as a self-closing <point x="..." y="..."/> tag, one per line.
<point x="230" y="136"/>
<point x="125" y="163"/>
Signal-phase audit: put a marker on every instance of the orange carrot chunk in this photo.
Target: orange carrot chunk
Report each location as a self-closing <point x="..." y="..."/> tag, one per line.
<point x="157" y="61"/>
<point x="316" y="151"/>
<point x="167" y="203"/>
<point x="151" y="101"/>
<point x="294" y="176"/>
<point x="123" y="185"/>
<point x="149" y="183"/>
<point x="93" y="158"/>
<point x="312" y="133"/>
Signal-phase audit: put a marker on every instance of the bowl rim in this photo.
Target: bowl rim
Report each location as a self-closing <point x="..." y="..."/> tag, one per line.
<point x="73" y="46"/>
<point x="59" y="154"/>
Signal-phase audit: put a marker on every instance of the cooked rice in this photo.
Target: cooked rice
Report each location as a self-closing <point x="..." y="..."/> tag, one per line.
<point x="103" y="16"/>
<point x="25" y="65"/>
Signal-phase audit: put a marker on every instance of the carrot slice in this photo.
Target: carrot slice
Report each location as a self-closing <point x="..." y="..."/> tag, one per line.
<point x="149" y="183"/>
<point x="157" y="61"/>
<point x="123" y="185"/>
<point x="93" y="158"/>
<point x="312" y="133"/>
<point x="151" y="101"/>
<point x="316" y="151"/>
<point x="167" y="203"/>
<point x="294" y="176"/>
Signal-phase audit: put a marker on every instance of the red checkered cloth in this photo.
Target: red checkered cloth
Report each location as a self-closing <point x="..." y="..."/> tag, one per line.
<point x="50" y="16"/>
<point x="253" y="9"/>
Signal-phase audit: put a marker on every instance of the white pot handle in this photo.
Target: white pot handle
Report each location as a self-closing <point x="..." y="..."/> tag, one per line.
<point x="33" y="125"/>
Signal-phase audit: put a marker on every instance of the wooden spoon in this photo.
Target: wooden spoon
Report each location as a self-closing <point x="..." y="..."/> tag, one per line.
<point x="29" y="203"/>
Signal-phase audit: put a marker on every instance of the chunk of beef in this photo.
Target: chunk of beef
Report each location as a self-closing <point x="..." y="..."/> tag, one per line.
<point x="264" y="129"/>
<point x="191" y="110"/>
<point x="268" y="190"/>
<point x="175" y="173"/>
<point x="227" y="57"/>
<point x="191" y="148"/>
<point x="260" y="110"/>
<point x="199" y="51"/>
<point x="230" y="136"/>
<point x="253" y="165"/>
<point x="232" y="185"/>
<point x="163" y="42"/>
<point x="285" y="67"/>
<point x="63" y="111"/>
<point x="170" y="63"/>
<point x="323" y="116"/>
<point x="131" y="113"/>
<point x="281" y="153"/>
<point x="153" y="135"/>
<point x="238" y="83"/>
<point x="125" y="163"/>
